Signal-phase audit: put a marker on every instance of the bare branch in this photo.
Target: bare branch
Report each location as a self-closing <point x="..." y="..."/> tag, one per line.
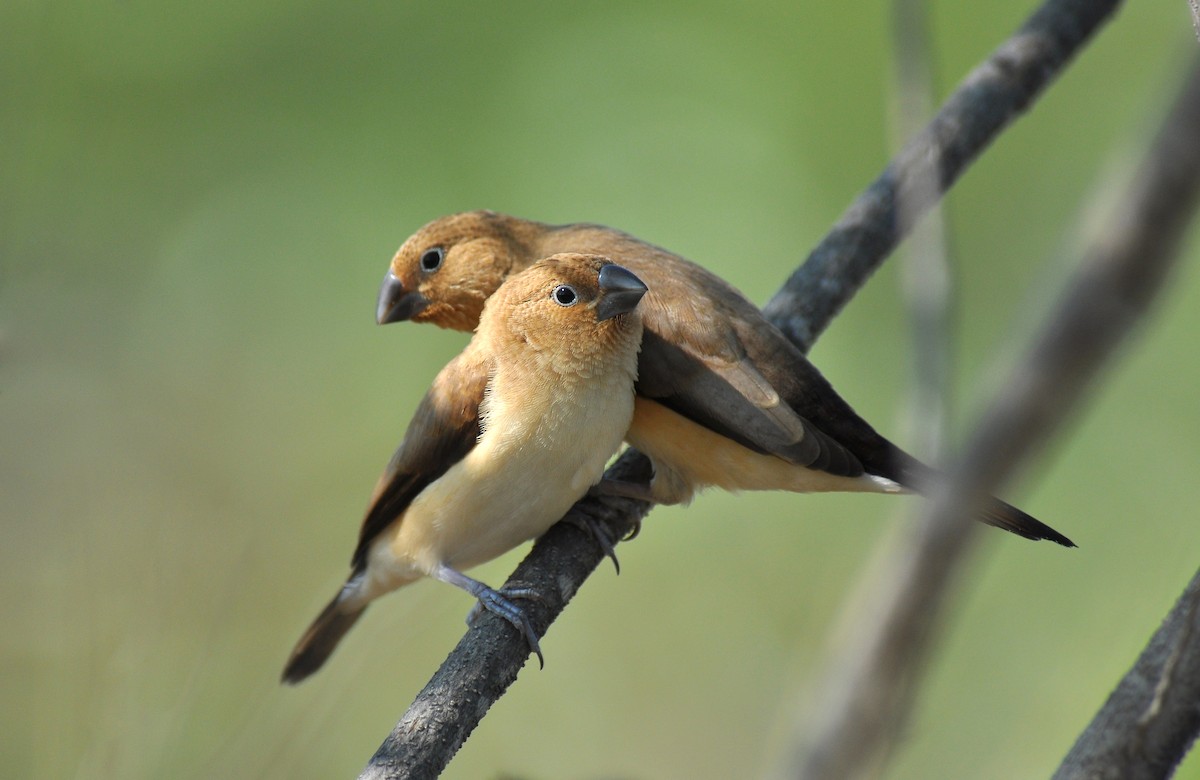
<point x="1195" y="6"/>
<point x="1151" y="719"/>
<point x="485" y="662"/>
<point x="985" y="103"/>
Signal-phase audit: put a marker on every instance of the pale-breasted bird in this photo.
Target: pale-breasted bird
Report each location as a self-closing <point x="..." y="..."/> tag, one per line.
<point x="723" y="398"/>
<point x="513" y="432"/>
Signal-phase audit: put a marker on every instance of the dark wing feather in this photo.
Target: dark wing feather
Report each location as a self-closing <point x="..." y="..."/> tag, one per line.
<point x="734" y="399"/>
<point x="806" y="390"/>
<point x="443" y="430"/>
<point x="695" y="360"/>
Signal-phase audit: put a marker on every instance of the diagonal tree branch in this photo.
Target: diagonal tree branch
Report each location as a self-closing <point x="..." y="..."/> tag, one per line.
<point x="1151" y="719"/>
<point x="991" y="97"/>
<point x="486" y="661"/>
<point x="1122" y="269"/>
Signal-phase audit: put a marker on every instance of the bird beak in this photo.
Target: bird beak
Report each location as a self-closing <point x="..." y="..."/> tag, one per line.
<point x="620" y="292"/>
<point x="395" y="303"/>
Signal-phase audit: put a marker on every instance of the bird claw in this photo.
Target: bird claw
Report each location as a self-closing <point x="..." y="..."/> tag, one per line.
<point x="499" y="603"/>
<point x="621" y="488"/>
<point x="584" y="521"/>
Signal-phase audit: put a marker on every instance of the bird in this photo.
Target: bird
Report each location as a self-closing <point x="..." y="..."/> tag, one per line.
<point x="513" y="431"/>
<point x="723" y="397"/>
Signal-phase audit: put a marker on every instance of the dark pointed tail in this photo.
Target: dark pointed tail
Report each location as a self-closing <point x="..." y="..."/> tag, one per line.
<point x="915" y="475"/>
<point x="1011" y="519"/>
<point x="319" y="641"/>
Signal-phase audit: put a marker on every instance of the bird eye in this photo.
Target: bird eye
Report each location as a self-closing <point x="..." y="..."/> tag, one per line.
<point x="564" y="295"/>
<point x="431" y="259"/>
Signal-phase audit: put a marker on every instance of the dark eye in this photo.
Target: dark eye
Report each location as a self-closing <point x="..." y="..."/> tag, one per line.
<point x="431" y="259"/>
<point x="564" y="295"/>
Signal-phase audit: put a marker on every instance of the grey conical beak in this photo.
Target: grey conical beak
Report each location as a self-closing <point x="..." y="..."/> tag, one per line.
<point x="396" y="303"/>
<point x="620" y="292"/>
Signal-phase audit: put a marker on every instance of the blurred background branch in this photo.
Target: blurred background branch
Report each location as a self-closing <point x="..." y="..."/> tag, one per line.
<point x="867" y="688"/>
<point x="436" y="724"/>
<point x="1152" y="718"/>
<point x="926" y="274"/>
<point x="853" y="725"/>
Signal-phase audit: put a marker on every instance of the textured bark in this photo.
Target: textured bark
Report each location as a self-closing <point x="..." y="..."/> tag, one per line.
<point x="1151" y="719"/>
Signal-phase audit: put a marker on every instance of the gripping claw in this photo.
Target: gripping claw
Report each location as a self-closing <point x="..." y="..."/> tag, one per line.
<point x="498" y="602"/>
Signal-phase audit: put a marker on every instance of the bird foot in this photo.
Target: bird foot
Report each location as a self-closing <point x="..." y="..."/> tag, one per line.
<point x="582" y="519"/>
<point x="499" y="603"/>
<point x="623" y="488"/>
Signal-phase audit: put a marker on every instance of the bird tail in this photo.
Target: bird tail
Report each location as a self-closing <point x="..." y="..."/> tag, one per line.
<point x="321" y="638"/>
<point x="1011" y="519"/>
<point x="915" y="475"/>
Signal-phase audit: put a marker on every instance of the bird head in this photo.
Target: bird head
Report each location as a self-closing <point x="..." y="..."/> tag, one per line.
<point x="568" y="304"/>
<point x="445" y="272"/>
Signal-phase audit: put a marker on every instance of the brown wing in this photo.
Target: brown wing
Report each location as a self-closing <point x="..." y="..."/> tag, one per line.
<point x="441" y="433"/>
<point x="735" y="400"/>
<point x="710" y="355"/>
<point x="695" y="360"/>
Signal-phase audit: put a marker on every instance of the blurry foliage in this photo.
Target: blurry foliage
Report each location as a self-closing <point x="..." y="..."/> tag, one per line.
<point x="197" y="205"/>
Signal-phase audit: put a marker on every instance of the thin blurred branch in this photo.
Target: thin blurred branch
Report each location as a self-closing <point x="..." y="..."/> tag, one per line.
<point x="1151" y="719"/>
<point x="925" y="268"/>
<point x="1122" y="270"/>
<point x="486" y="661"/>
<point x="874" y="669"/>
<point x="990" y="97"/>
<point x="853" y="723"/>
<point x="1195" y="6"/>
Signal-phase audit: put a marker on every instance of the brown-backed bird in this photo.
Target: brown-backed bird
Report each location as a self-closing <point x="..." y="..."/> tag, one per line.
<point x="723" y="397"/>
<point x="513" y="432"/>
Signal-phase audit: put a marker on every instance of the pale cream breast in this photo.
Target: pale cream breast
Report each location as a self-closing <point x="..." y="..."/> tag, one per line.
<point x="544" y="443"/>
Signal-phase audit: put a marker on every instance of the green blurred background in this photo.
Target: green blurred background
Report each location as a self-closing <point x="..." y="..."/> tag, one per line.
<point x="199" y="201"/>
